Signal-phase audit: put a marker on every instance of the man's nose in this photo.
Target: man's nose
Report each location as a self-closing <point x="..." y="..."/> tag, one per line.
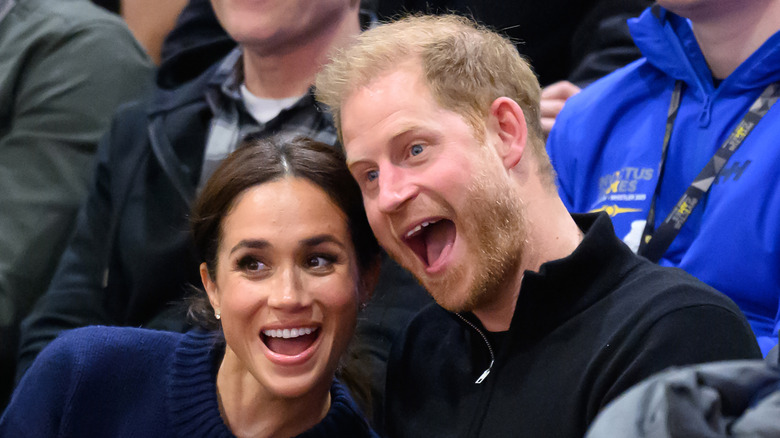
<point x="394" y="189"/>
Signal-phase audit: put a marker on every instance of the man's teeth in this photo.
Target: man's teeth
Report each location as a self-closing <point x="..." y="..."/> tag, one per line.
<point x="288" y="333"/>
<point x="417" y="229"/>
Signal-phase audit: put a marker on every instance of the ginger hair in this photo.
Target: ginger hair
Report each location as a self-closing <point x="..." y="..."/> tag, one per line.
<point x="466" y="67"/>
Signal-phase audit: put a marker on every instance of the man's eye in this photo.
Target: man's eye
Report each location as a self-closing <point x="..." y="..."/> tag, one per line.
<point x="416" y="150"/>
<point x="371" y="175"/>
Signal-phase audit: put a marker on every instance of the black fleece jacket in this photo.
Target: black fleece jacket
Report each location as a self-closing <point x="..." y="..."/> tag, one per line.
<point x="586" y="328"/>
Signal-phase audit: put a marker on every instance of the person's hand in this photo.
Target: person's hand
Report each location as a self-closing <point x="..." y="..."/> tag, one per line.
<point x="553" y="98"/>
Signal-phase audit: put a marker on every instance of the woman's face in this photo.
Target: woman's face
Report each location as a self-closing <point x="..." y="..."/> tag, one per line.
<point x="286" y="286"/>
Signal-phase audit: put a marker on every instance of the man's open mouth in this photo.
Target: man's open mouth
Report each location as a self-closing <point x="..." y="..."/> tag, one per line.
<point x="431" y="239"/>
<point x="290" y="342"/>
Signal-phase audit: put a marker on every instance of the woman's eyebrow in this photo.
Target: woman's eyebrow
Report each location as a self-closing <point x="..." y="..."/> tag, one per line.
<point x="250" y="243"/>
<point x="322" y="238"/>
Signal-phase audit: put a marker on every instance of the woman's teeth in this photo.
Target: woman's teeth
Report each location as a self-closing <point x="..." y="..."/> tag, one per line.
<point x="288" y="333"/>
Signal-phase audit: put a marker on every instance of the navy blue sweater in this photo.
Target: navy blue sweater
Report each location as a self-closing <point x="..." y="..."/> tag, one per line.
<point x="129" y="382"/>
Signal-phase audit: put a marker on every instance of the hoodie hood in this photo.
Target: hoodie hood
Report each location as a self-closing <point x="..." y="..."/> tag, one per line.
<point x="668" y="43"/>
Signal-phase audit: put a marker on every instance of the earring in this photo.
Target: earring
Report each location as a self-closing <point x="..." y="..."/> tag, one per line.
<point x="216" y="314"/>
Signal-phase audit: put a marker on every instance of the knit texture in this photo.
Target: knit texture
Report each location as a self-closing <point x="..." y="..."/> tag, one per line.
<point x="129" y="382"/>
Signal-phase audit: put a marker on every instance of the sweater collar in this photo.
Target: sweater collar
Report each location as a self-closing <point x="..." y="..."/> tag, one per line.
<point x="192" y="395"/>
<point x="192" y="386"/>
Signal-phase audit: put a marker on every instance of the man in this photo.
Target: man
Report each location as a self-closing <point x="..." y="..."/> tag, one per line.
<point x="131" y="257"/>
<point x="705" y="65"/>
<point x="66" y="66"/>
<point x="541" y="317"/>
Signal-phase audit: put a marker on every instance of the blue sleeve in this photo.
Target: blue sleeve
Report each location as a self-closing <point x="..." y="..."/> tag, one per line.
<point x="39" y="405"/>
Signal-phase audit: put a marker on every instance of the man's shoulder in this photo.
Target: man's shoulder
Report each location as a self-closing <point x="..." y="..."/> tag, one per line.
<point x="651" y="291"/>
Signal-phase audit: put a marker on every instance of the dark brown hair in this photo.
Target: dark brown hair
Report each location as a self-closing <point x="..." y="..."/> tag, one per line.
<point x="258" y="161"/>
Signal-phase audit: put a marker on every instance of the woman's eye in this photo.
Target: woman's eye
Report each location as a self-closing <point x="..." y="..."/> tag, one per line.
<point x="416" y="150"/>
<point x="371" y="175"/>
<point x="251" y="264"/>
<point x="320" y="261"/>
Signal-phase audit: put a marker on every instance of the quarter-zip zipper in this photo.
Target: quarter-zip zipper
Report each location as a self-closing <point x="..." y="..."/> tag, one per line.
<point x="485" y="373"/>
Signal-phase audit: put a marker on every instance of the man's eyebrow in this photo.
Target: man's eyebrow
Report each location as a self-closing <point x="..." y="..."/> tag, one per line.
<point x="322" y="238"/>
<point x="250" y="243"/>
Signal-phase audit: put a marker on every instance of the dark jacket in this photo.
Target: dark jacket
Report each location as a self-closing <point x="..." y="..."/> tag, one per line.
<point x="586" y="328"/>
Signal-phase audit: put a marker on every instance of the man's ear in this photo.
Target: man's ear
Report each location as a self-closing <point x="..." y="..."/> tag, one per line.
<point x="508" y="121"/>
<point x="209" y="285"/>
<point x="368" y="280"/>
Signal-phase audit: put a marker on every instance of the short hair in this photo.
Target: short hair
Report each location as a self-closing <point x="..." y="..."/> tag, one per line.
<point x="256" y="162"/>
<point x="466" y="67"/>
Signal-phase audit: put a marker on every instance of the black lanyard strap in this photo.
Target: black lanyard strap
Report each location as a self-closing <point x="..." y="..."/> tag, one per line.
<point x="654" y="244"/>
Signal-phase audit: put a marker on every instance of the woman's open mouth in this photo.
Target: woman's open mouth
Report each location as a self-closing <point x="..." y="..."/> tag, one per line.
<point x="290" y="342"/>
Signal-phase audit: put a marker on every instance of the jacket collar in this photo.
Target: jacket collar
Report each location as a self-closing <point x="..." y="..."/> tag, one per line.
<point x="565" y="287"/>
<point x="168" y="99"/>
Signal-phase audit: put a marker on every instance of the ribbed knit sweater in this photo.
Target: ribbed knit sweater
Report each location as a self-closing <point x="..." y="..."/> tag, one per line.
<point x="130" y="382"/>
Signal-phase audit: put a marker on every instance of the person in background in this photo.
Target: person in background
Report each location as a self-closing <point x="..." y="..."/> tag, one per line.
<point x="569" y="43"/>
<point x="66" y="66"/>
<point x="541" y="317"/>
<point x="151" y="21"/>
<point x="288" y="258"/>
<point x="679" y="149"/>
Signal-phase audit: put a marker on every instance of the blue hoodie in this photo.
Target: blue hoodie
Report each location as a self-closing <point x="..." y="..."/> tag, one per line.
<point x="606" y="147"/>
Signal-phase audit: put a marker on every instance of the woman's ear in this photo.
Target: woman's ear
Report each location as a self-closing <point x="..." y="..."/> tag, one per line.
<point x="508" y="121"/>
<point x="368" y="280"/>
<point x="209" y="285"/>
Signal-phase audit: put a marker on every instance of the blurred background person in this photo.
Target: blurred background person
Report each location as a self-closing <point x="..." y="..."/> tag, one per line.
<point x="680" y="149"/>
<point x="66" y="66"/>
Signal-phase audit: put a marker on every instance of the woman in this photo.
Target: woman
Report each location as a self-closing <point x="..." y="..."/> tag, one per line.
<point x="288" y="258"/>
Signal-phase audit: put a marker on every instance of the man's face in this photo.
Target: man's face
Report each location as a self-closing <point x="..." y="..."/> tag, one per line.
<point x="438" y="199"/>
<point x="271" y="26"/>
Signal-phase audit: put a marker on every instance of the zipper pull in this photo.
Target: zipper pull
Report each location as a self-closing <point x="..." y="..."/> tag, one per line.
<point x="484" y="374"/>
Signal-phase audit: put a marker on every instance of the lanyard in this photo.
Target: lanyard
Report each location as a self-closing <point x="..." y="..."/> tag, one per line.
<point x="655" y="243"/>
